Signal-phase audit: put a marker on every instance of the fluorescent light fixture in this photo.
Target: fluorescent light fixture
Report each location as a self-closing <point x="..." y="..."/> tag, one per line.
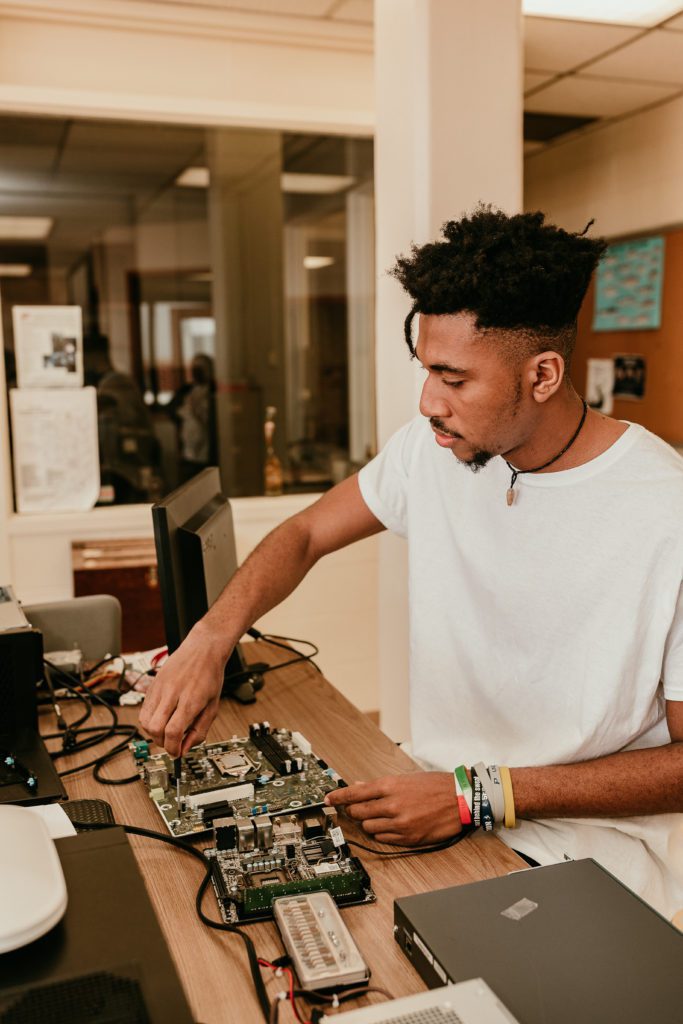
<point x="32" y="229"/>
<point x="622" y="12"/>
<point x="316" y="184"/>
<point x="194" y="177"/>
<point x="318" y="262"/>
<point x="306" y="184"/>
<point x="15" y="269"/>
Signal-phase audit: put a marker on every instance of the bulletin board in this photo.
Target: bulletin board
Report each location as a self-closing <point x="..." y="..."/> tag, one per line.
<point x="661" y="407"/>
<point x="628" y="286"/>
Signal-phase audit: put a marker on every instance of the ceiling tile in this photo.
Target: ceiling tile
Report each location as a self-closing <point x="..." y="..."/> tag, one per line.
<point x="656" y="57"/>
<point x="596" y="97"/>
<point x="557" y="45"/>
<point x="532" y="79"/>
<point x="354" y="10"/>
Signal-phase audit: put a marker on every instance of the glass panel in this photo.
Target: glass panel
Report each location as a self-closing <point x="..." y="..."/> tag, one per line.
<point x="226" y="282"/>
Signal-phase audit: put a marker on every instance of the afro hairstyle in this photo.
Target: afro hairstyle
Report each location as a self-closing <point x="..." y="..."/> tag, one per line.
<point x="516" y="274"/>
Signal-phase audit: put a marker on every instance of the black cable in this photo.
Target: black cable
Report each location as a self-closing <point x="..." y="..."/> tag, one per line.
<point x="418" y="850"/>
<point x="72" y="684"/>
<point x="135" y="830"/>
<point x="251" y="951"/>
<point x="274" y="640"/>
<point x="104" y="733"/>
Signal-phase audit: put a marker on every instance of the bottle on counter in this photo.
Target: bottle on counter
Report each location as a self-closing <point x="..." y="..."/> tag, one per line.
<point x="272" y="469"/>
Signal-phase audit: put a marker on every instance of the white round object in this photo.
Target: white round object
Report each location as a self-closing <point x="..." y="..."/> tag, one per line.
<point x="33" y="893"/>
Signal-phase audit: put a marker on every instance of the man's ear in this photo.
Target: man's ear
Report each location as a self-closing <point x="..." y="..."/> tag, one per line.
<point x="545" y="374"/>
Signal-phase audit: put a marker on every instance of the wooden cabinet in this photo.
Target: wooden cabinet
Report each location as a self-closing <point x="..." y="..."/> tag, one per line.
<point x="128" y="570"/>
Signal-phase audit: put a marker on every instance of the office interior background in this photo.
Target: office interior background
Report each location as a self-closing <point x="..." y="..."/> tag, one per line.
<point x="221" y="187"/>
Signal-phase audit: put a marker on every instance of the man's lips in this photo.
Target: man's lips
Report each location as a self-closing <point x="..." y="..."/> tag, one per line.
<point x="445" y="440"/>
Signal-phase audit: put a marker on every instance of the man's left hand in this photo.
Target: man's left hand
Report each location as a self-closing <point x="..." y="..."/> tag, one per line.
<point x="410" y="810"/>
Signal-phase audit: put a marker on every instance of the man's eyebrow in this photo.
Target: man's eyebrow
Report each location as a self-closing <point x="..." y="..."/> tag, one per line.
<point x="447" y="368"/>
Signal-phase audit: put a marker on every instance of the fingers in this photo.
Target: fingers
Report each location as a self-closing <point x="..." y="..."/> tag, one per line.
<point x="360" y="791"/>
<point x="393" y="839"/>
<point x="373" y="826"/>
<point x="199" y="728"/>
<point x="154" y="722"/>
<point x="380" y="808"/>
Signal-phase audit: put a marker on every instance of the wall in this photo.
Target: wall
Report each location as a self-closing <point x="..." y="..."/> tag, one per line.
<point x="184" y="63"/>
<point x="191" y="64"/>
<point x="661" y="410"/>
<point x="627" y="175"/>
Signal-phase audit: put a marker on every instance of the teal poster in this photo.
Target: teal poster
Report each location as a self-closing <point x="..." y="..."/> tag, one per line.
<point x="628" y="289"/>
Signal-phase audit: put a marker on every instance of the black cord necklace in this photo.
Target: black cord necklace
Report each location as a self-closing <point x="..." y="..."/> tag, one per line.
<point x="510" y="496"/>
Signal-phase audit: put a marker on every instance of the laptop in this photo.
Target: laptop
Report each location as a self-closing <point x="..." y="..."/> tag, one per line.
<point x="557" y="944"/>
<point x="470" y="1002"/>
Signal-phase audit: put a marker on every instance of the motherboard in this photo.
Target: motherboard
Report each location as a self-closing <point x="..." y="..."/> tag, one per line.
<point x="270" y="771"/>
<point x="254" y="861"/>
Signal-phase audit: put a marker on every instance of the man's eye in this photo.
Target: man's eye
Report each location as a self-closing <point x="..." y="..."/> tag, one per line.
<point x="453" y="383"/>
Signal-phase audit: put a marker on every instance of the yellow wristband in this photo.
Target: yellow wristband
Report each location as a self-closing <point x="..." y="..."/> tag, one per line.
<point x="505" y="778"/>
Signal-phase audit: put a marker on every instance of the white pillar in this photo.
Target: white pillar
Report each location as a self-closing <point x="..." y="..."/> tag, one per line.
<point x="448" y="81"/>
<point x="360" y="275"/>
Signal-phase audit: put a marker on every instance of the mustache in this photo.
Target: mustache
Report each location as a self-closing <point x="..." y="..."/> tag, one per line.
<point x="437" y="424"/>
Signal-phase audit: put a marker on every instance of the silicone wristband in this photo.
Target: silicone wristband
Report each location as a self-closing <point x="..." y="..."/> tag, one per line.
<point x="505" y="778"/>
<point x="498" y="794"/>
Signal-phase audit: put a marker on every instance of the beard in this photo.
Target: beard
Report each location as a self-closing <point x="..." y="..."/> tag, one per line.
<point x="479" y="458"/>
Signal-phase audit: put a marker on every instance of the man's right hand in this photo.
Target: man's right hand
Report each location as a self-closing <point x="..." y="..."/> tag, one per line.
<point x="182" y="702"/>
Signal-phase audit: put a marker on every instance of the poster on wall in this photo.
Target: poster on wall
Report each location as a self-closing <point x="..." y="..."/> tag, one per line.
<point x="56" y="458"/>
<point x="48" y="346"/>
<point x="628" y="286"/>
<point x="600" y="385"/>
<point x="629" y="376"/>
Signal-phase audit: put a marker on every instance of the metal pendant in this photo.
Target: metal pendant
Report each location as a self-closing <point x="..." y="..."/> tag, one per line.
<point x="510" y="496"/>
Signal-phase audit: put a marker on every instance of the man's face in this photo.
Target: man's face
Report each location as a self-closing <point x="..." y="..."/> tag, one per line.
<point x="473" y="393"/>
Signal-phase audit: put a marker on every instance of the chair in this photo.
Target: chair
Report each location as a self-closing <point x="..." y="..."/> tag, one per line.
<point x="92" y="624"/>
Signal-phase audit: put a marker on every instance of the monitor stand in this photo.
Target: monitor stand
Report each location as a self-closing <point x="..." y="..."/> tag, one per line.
<point x="242" y="681"/>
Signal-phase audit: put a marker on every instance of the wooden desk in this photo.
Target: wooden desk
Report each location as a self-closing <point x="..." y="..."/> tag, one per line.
<point x="213" y="966"/>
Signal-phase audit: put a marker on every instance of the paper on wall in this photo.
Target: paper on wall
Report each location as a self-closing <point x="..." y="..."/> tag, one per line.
<point x="56" y="458"/>
<point x="600" y="385"/>
<point x="48" y="346"/>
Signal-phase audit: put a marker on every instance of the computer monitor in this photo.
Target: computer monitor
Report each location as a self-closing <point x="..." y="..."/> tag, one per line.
<point x="196" y="557"/>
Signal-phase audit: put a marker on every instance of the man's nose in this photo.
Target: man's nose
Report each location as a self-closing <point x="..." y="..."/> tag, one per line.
<point x="432" y="404"/>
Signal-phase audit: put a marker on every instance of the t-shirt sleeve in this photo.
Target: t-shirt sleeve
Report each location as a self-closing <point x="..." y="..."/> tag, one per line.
<point x="672" y="672"/>
<point x="384" y="481"/>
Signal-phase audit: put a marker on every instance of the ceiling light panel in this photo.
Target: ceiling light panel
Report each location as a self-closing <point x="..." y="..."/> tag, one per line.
<point x="318" y="262"/>
<point x="25" y="229"/>
<point x="644" y="13"/>
<point x="321" y="184"/>
<point x="194" y="177"/>
<point x="15" y="269"/>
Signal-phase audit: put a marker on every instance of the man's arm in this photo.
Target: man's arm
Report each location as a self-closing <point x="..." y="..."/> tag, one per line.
<point x="182" y="702"/>
<point x="421" y="807"/>
<point x="620" y="785"/>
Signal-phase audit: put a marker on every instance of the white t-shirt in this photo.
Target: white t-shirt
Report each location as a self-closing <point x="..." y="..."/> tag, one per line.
<point x="547" y="632"/>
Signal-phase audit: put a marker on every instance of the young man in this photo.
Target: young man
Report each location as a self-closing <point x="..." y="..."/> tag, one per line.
<point x="545" y="589"/>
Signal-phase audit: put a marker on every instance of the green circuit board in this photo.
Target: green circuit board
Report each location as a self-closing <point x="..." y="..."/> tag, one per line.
<point x="271" y="771"/>
<point x="255" y="861"/>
